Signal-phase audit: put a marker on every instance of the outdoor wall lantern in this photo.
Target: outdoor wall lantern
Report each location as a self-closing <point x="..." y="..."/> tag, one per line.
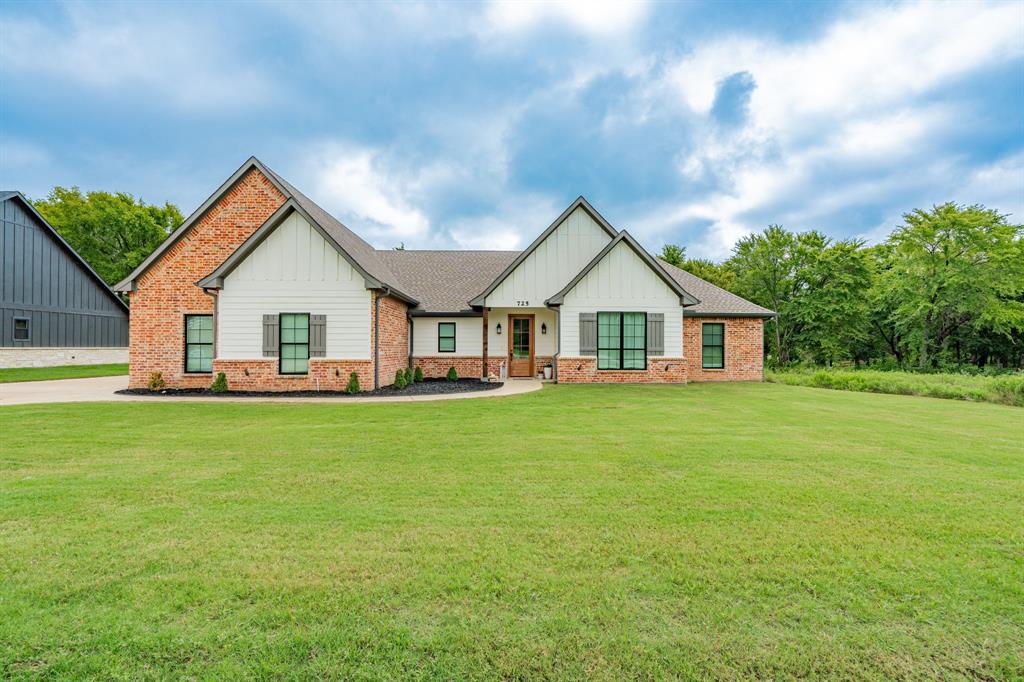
<point x="498" y="329"/>
<point x="543" y="328"/>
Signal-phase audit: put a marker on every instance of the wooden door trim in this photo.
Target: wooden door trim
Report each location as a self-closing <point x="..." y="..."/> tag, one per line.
<point x="533" y="335"/>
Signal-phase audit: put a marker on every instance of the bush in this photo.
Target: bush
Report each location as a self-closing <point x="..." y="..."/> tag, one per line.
<point x="418" y="374"/>
<point x="156" y="381"/>
<point x="220" y="384"/>
<point x="353" y="383"/>
<point x="452" y="374"/>
<point x="400" y="379"/>
<point x="409" y="378"/>
<point x="1006" y="389"/>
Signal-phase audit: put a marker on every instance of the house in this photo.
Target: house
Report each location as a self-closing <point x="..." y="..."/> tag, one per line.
<point x="54" y="308"/>
<point x="264" y="285"/>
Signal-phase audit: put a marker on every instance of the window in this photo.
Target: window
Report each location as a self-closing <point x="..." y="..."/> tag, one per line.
<point x="713" y="345"/>
<point x="294" y="351"/>
<point x="622" y="340"/>
<point x="446" y="337"/>
<point x="21" y="329"/>
<point x="199" y="343"/>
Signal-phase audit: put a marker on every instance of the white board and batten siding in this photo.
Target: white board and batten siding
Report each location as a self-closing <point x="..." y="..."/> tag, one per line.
<point x="553" y="264"/>
<point x="468" y="336"/>
<point x="294" y="271"/>
<point x="621" y="282"/>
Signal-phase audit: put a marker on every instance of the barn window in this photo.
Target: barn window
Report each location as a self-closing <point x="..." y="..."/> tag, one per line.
<point x="21" y="329"/>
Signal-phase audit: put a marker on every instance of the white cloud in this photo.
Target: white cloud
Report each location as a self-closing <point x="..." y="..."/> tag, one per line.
<point x="592" y="17"/>
<point x="849" y="102"/>
<point x="173" y="60"/>
<point x="363" y="190"/>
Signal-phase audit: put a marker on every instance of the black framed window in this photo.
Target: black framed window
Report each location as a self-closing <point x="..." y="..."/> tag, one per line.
<point x="199" y="344"/>
<point x="445" y="337"/>
<point x="622" y="340"/>
<point x="294" y="344"/>
<point x="713" y="345"/>
<point x="22" y="328"/>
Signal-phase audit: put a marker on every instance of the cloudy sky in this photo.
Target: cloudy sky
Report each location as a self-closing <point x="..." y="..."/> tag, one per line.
<point x="473" y="126"/>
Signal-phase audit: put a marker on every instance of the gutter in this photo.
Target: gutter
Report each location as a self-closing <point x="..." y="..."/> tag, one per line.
<point x="376" y="341"/>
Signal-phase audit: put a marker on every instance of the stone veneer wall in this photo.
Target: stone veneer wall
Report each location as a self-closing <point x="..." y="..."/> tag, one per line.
<point x="51" y="357"/>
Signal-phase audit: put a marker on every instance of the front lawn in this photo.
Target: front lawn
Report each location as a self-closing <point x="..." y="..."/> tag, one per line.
<point x="594" y="532"/>
<point x="62" y="372"/>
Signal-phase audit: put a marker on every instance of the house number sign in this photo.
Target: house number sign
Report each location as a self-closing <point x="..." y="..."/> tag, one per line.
<point x="523" y="304"/>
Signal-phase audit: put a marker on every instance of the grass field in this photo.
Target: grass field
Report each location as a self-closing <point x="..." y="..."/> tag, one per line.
<point x="61" y="372"/>
<point x="1006" y="389"/>
<point x="732" y="531"/>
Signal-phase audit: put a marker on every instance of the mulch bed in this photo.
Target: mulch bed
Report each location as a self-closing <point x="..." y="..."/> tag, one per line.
<point x="426" y="387"/>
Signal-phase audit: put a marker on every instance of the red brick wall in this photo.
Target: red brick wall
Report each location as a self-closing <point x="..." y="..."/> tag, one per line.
<point x="394" y="339"/>
<point x="583" y="370"/>
<point x="167" y="291"/>
<point x="324" y="375"/>
<point x="436" y="366"/>
<point x="744" y="349"/>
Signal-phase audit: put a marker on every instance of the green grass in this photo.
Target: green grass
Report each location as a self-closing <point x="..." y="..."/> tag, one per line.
<point x="1006" y="389"/>
<point x="61" y="372"/>
<point x="731" y="531"/>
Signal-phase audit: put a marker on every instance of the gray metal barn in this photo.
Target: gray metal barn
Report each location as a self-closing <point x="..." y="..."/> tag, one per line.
<point x="54" y="309"/>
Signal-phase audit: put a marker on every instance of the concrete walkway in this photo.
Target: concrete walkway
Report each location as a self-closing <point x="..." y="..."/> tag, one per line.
<point x="102" y="389"/>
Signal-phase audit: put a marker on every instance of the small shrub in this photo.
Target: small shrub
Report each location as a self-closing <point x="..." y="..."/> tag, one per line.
<point x="409" y="378"/>
<point x="418" y="374"/>
<point x="400" y="379"/>
<point x="156" y="381"/>
<point x="452" y="374"/>
<point x="220" y="384"/>
<point x="353" y="383"/>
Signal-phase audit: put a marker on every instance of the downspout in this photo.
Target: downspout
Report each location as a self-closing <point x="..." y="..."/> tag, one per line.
<point x="408" y="317"/>
<point x="558" y="341"/>
<point x="213" y="293"/>
<point x="376" y="341"/>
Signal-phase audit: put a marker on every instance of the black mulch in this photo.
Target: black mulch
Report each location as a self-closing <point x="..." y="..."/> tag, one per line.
<point x="426" y="387"/>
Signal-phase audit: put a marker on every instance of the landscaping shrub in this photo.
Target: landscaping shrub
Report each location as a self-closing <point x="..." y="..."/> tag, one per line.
<point x="353" y="383"/>
<point x="452" y="374"/>
<point x="400" y="379"/>
<point x="418" y="374"/>
<point x="156" y="381"/>
<point x="1006" y="389"/>
<point x="220" y="384"/>
<point x="409" y="378"/>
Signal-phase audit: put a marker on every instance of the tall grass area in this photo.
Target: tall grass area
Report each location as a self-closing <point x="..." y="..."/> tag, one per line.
<point x="1007" y="389"/>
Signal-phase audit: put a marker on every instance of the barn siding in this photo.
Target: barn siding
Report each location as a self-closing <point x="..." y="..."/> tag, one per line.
<point x="41" y="281"/>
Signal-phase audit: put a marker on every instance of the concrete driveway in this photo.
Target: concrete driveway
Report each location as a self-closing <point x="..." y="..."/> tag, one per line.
<point x="102" y="388"/>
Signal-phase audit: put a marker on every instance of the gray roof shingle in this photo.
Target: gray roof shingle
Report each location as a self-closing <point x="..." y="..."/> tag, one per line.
<point x="713" y="300"/>
<point x="444" y="281"/>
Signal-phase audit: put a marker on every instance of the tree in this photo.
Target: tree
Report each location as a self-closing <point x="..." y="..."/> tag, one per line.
<point x="951" y="270"/>
<point x="673" y="255"/>
<point x="112" y="232"/>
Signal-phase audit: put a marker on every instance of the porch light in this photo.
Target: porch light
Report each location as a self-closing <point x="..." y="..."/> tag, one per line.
<point x="498" y="329"/>
<point x="543" y="328"/>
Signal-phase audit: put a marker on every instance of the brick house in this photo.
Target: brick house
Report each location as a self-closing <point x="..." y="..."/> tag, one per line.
<point x="264" y="285"/>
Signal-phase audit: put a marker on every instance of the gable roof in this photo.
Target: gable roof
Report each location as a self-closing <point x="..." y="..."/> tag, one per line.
<point x="685" y="298"/>
<point x="714" y="301"/>
<point x="328" y="230"/>
<point x="580" y="202"/>
<point x="359" y="253"/>
<point x="442" y="281"/>
<point x="12" y="195"/>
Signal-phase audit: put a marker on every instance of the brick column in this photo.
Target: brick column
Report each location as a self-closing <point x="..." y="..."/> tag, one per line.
<point x="484" y="374"/>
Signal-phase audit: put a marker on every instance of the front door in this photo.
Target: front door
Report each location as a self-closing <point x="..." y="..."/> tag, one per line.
<point x="520" y="346"/>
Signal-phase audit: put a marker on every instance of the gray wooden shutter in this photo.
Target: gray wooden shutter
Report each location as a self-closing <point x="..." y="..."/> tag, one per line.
<point x="655" y="333"/>
<point x="317" y="336"/>
<point x="271" y="327"/>
<point x="588" y="333"/>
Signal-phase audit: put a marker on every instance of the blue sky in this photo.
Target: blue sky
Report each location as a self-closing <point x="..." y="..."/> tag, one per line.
<point x="474" y="125"/>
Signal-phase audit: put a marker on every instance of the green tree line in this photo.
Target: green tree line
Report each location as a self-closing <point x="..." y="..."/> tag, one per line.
<point x="112" y="232"/>
<point x="945" y="288"/>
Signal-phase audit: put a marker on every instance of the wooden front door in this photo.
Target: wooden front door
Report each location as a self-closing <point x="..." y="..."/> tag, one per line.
<point x="520" y="345"/>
